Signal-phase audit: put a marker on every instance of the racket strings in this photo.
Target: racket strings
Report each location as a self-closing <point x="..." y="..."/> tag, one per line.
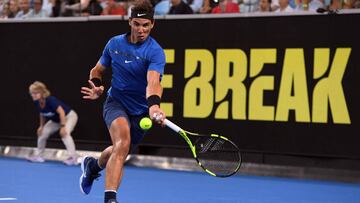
<point x="218" y="155"/>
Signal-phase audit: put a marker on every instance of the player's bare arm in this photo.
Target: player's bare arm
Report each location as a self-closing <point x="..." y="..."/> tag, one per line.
<point x="154" y="88"/>
<point x="95" y="90"/>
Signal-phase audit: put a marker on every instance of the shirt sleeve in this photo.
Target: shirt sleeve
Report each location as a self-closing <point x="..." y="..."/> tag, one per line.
<point x="105" y="59"/>
<point x="157" y="61"/>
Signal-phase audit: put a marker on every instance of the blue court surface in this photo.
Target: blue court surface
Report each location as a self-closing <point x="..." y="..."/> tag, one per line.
<point x="53" y="182"/>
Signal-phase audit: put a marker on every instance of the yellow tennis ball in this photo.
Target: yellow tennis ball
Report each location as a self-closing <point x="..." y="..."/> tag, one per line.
<point x="145" y="123"/>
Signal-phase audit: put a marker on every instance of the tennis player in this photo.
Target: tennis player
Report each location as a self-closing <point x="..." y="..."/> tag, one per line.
<point x="137" y="63"/>
<point x="54" y="115"/>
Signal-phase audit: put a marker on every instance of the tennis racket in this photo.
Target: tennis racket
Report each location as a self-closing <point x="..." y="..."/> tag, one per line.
<point x="215" y="154"/>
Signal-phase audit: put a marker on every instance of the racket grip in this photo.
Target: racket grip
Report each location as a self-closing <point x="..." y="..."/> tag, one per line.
<point x="172" y="125"/>
<point x="168" y="123"/>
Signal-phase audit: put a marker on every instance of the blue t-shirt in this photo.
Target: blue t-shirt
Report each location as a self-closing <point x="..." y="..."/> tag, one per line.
<point x="130" y="64"/>
<point x="49" y="111"/>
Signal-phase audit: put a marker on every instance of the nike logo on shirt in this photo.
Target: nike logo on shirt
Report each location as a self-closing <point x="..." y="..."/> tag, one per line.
<point x="126" y="61"/>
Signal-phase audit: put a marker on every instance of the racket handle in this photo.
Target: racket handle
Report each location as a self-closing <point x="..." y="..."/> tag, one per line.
<point x="168" y="123"/>
<point x="172" y="125"/>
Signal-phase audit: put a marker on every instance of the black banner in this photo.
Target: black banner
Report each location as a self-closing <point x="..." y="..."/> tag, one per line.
<point x="276" y="84"/>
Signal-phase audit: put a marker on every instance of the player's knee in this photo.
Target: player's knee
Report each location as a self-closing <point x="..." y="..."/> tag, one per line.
<point x="121" y="147"/>
<point x="107" y="151"/>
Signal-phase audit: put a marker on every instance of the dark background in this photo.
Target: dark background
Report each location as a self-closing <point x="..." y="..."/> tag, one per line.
<point x="61" y="54"/>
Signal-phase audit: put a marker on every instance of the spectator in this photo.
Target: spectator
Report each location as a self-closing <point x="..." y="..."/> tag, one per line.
<point x="226" y="6"/>
<point x="195" y="5"/>
<point x="348" y="4"/>
<point x="13" y="8"/>
<point x="38" y="12"/>
<point x="284" y="6"/>
<point x="208" y="5"/>
<point x="4" y="12"/>
<point x="357" y="4"/>
<point x="309" y="5"/>
<point x="293" y="4"/>
<point x="25" y="10"/>
<point x="335" y="5"/>
<point x="47" y="6"/>
<point x="162" y="8"/>
<point x="264" y="6"/>
<point x="248" y="6"/>
<point x="275" y="5"/>
<point x="54" y="116"/>
<point x="2" y="3"/>
<point x="180" y="7"/>
<point x="114" y="8"/>
<point x="86" y="7"/>
<point x="58" y="8"/>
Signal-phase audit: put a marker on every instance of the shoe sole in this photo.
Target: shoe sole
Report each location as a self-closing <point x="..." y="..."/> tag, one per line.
<point x="35" y="161"/>
<point x="32" y="161"/>
<point x="82" y="175"/>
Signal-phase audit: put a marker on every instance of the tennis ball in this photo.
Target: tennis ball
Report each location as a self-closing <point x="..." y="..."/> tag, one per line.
<point x="145" y="123"/>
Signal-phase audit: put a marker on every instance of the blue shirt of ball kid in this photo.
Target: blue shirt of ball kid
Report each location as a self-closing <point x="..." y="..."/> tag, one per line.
<point x="130" y="64"/>
<point x="49" y="110"/>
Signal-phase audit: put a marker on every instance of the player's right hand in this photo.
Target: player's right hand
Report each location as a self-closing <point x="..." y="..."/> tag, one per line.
<point x="157" y="115"/>
<point x="93" y="92"/>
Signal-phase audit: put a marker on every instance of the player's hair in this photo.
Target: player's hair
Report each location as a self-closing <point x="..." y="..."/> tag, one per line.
<point x="39" y="87"/>
<point x="142" y="6"/>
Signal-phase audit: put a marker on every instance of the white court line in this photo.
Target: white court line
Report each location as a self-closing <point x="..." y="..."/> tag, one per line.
<point x="7" y="198"/>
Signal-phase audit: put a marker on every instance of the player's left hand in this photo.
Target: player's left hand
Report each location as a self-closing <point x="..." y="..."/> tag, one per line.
<point x="93" y="92"/>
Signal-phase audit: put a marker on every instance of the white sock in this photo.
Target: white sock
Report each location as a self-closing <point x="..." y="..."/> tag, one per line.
<point x="111" y="191"/>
